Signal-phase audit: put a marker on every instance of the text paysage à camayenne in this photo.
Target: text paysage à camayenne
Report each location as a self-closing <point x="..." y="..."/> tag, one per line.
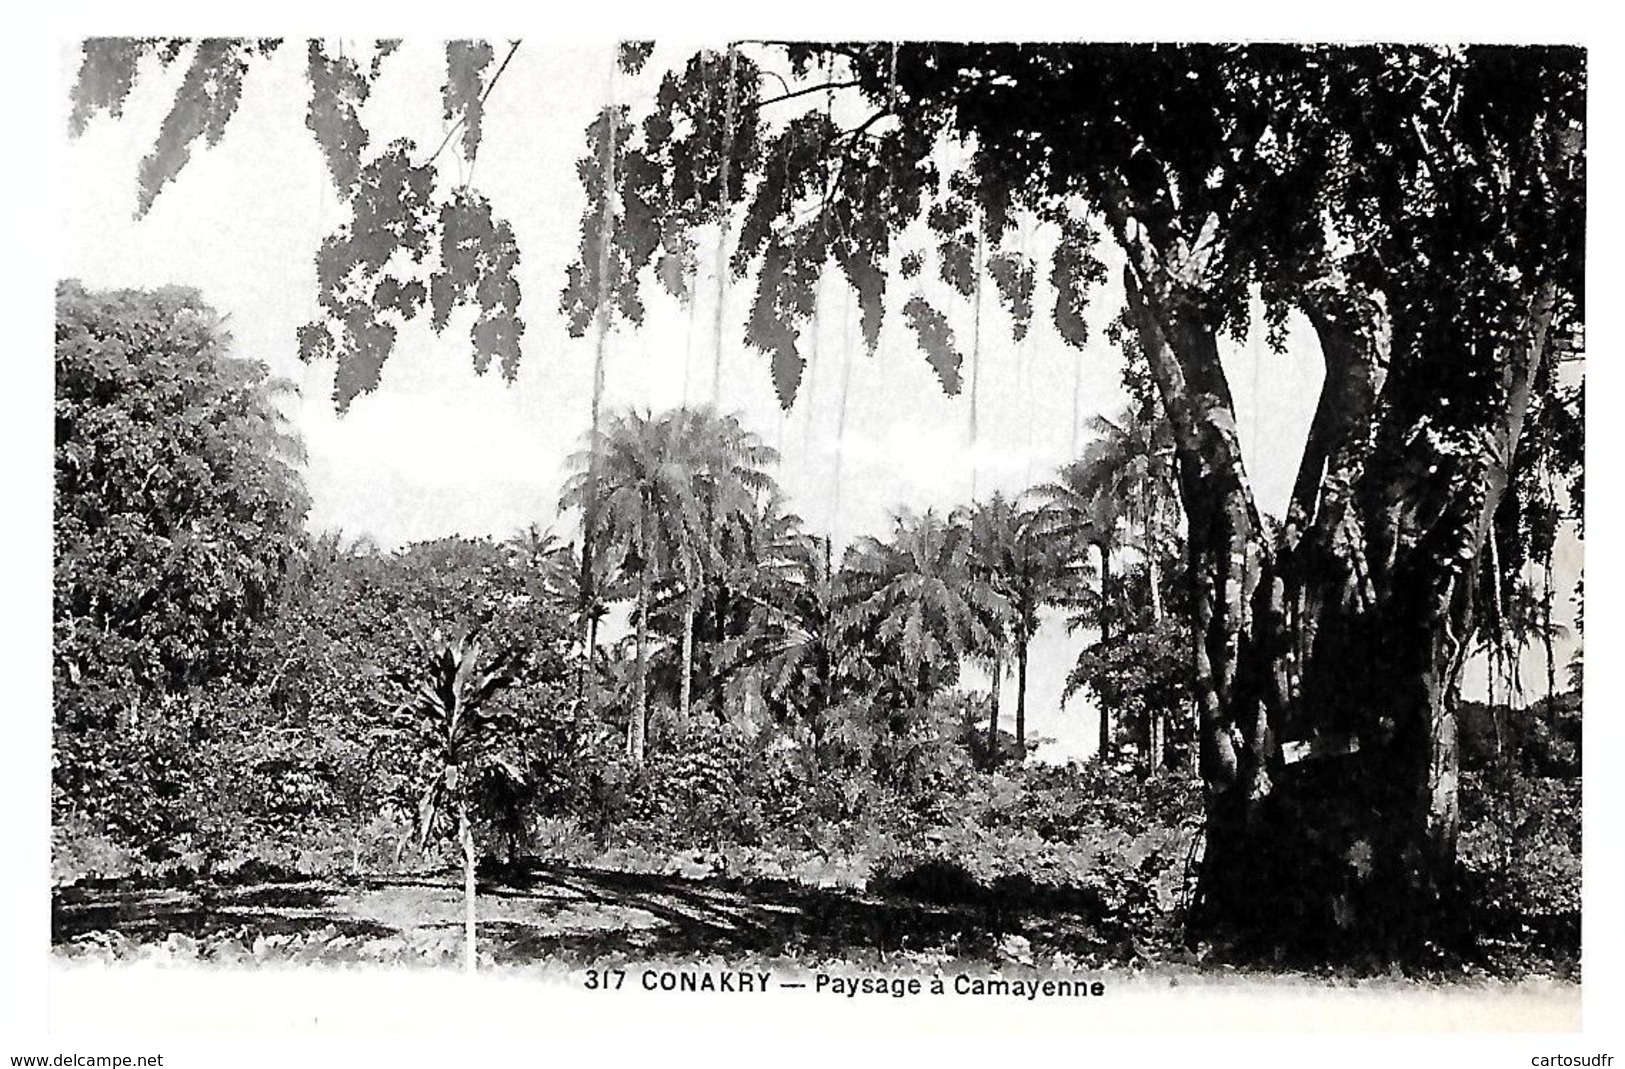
<point x="742" y="982"/>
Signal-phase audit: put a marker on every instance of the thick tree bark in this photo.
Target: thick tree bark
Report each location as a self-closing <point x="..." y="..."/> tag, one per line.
<point x="1154" y="716"/>
<point x="1324" y="665"/>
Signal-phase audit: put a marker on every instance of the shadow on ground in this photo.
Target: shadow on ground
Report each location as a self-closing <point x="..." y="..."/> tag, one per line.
<point x="539" y="911"/>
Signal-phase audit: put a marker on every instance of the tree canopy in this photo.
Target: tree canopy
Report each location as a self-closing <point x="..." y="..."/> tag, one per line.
<point x="179" y="507"/>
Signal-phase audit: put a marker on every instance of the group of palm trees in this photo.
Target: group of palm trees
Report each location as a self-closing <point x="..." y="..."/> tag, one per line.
<point x="737" y="609"/>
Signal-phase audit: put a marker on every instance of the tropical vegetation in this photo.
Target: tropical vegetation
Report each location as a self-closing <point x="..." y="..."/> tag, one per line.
<point x="1420" y="209"/>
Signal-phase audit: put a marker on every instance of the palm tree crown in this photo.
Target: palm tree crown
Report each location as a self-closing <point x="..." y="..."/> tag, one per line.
<point x="920" y="593"/>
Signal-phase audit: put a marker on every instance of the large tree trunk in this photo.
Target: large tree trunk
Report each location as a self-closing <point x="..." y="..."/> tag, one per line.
<point x="1546" y="637"/>
<point x="1154" y="716"/>
<point x="1323" y="666"/>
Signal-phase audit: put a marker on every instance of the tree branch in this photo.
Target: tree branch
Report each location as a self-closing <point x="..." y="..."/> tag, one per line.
<point x="458" y="125"/>
<point x="792" y="94"/>
<point x="1353" y="346"/>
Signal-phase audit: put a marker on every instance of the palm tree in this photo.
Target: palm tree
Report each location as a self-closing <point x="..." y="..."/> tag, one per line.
<point x="1126" y="469"/>
<point x="563" y="575"/>
<point x="727" y="465"/>
<point x="1129" y="461"/>
<point x="923" y="599"/>
<point x="534" y="544"/>
<point x="603" y="321"/>
<point x="795" y="648"/>
<point x="538" y="552"/>
<point x="585" y="590"/>
<point x="1513" y="622"/>
<point x="635" y="483"/>
<point x="1015" y="552"/>
<point x="749" y="600"/>
<point x="1078" y="514"/>
<point x="991" y="525"/>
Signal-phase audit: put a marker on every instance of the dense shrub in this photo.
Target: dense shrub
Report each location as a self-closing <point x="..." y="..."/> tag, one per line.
<point x="293" y="756"/>
<point x="1520" y="846"/>
<point x="1037" y="834"/>
<point x="179" y="508"/>
<point x="1543" y="737"/>
<point x="1141" y="678"/>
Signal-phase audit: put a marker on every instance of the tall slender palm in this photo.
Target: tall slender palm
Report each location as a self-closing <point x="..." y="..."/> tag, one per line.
<point x="589" y="492"/>
<point x="747" y="570"/>
<point x="924" y="600"/>
<point x="1078" y="515"/>
<point x="748" y="599"/>
<point x="992" y="524"/>
<point x="585" y="590"/>
<point x="795" y="646"/>
<point x="728" y="468"/>
<point x="1119" y="493"/>
<point x="634" y="481"/>
<point x="538" y="552"/>
<point x="1512" y="622"/>
<point x="1015" y="551"/>
<point x="534" y="544"/>
<point x="1129" y="460"/>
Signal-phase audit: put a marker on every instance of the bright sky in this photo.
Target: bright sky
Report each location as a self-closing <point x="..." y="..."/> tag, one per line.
<point x="437" y="450"/>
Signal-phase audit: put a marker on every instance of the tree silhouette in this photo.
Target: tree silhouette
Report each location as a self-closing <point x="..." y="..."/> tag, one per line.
<point x="1079" y="513"/>
<point x="1016" y="552"/>
<point x="648" y="515"/>
<point x="918" y="591"/>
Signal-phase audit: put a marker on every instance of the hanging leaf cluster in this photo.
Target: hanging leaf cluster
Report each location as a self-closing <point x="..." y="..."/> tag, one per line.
<point x="377" y="270"/>
<point x="463" y="96"/>
<point x="649" y="186"/>
<point x="630" y="56"/>
<point x="339" y="86"/>
<point x="1074" y="269"/>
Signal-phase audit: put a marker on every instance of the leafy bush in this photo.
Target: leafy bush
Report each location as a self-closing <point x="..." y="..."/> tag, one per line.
<point x="1141" y="676"/>
<point x="178" y="511"/>
<point x="1520" y="855"/>
<point x="1544" y="736"/>
<point x="1110" y="846"/>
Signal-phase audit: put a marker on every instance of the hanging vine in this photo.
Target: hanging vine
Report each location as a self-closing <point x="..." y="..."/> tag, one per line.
<point x="723" y="216"/>
<point x="601" y="328"/>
